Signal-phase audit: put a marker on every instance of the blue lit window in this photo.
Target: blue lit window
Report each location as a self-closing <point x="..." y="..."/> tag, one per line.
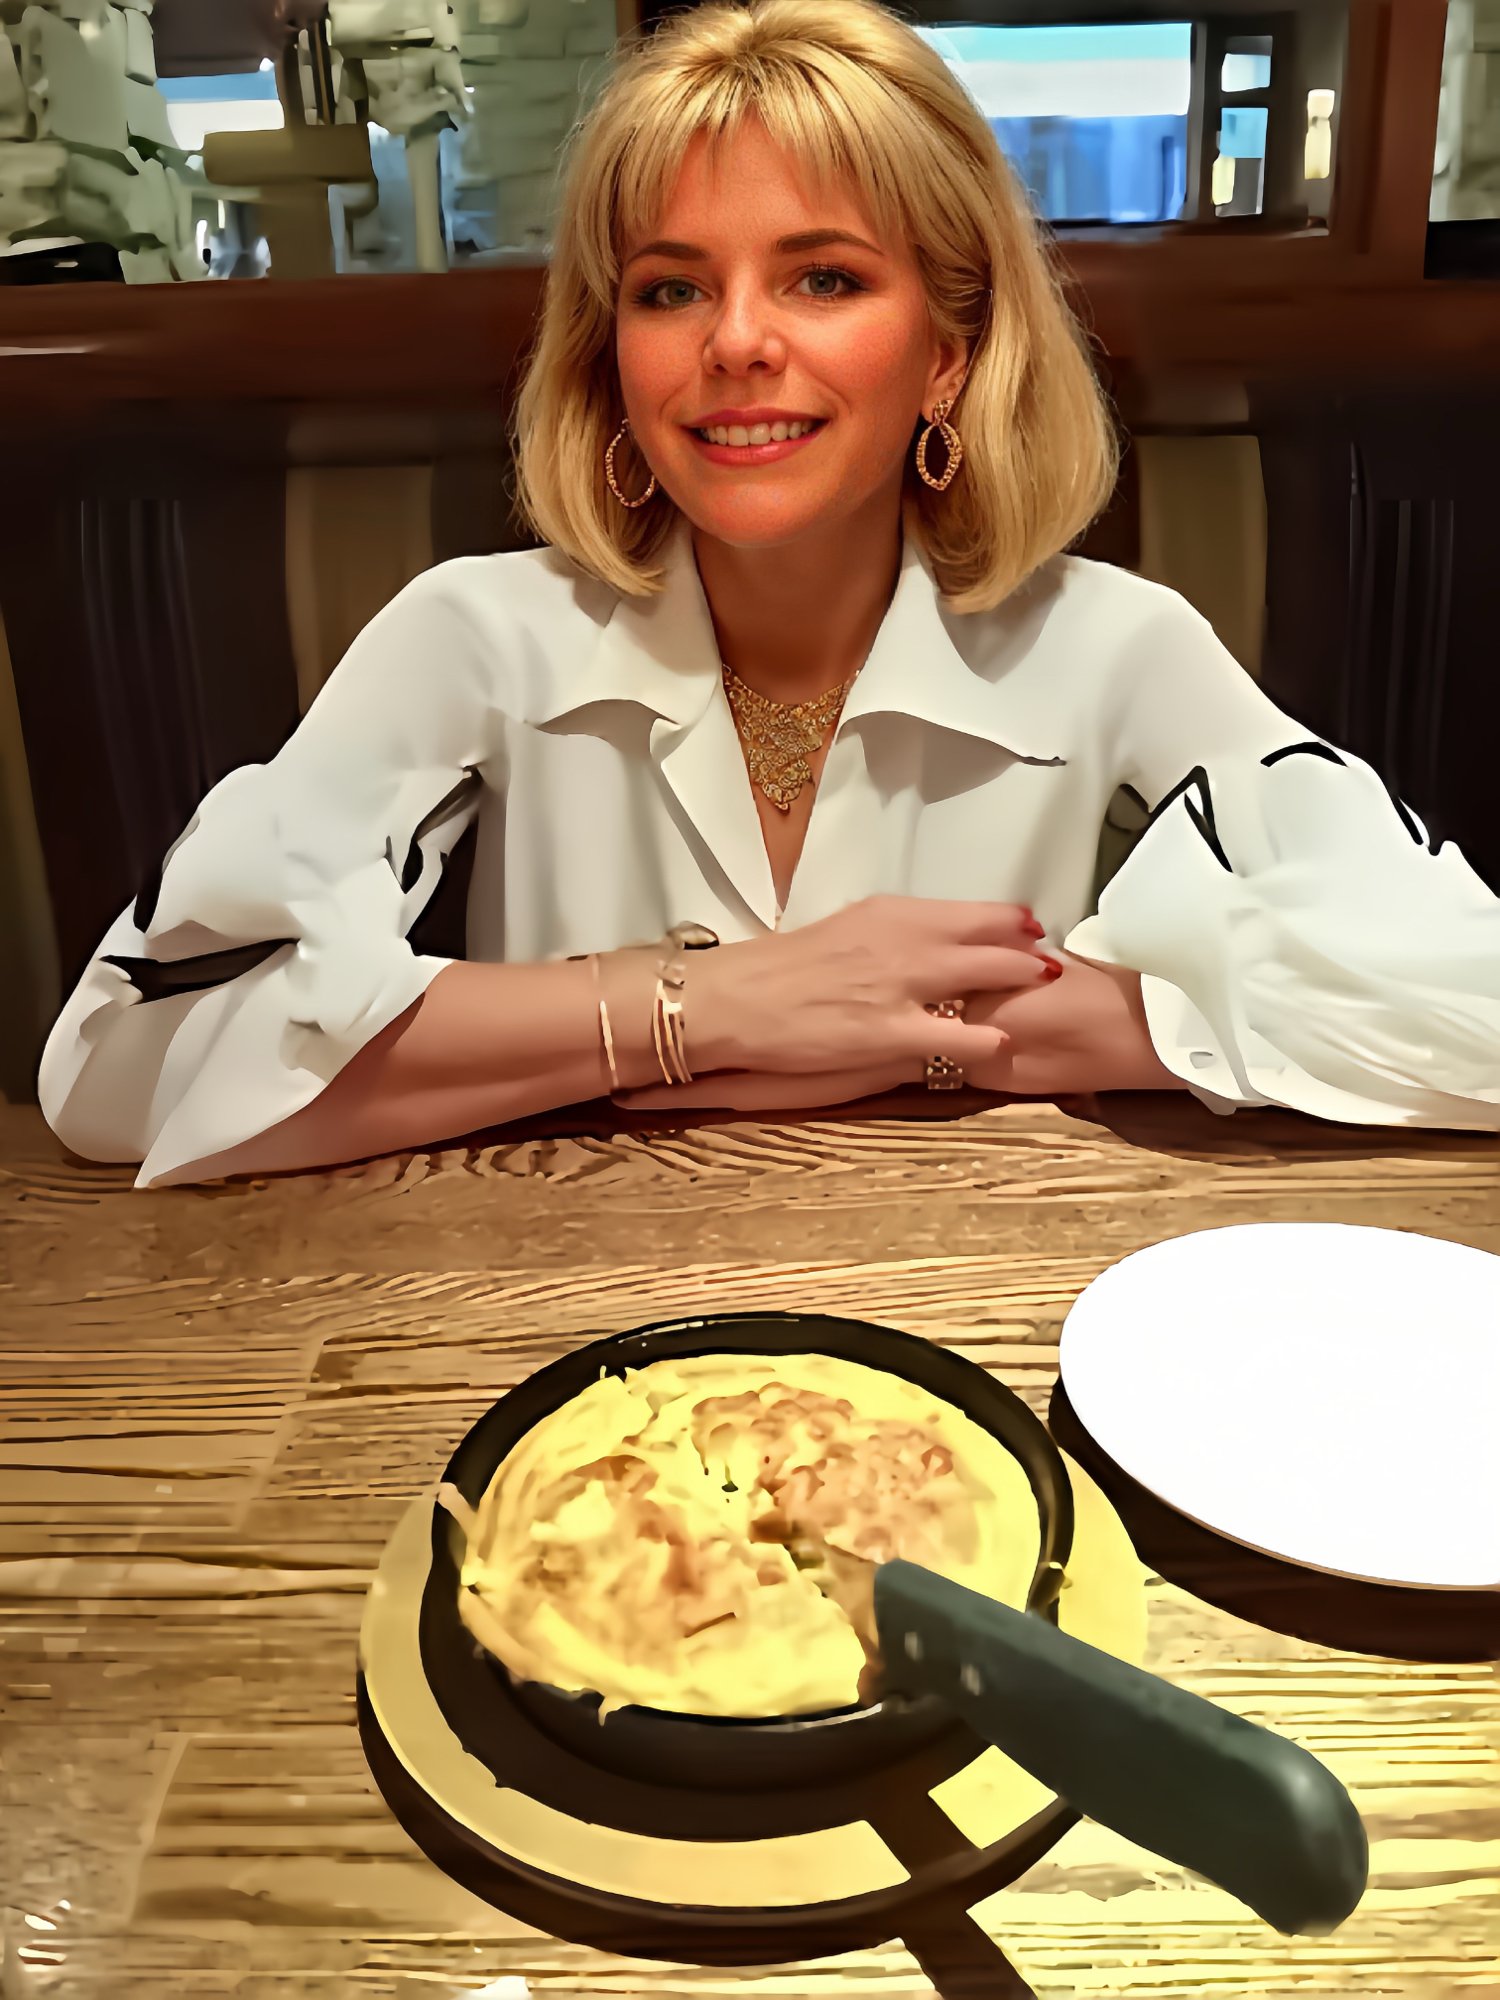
<point x="244" y="101"/>
<point x="1094" y="119"/>
<point x="236" y="87"/>
<point x="1245" y="72"/>
<point x="1242" y="132"/>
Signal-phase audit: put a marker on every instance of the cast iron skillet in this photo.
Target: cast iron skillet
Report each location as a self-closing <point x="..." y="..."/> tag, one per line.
<point x="733" y="1753"/>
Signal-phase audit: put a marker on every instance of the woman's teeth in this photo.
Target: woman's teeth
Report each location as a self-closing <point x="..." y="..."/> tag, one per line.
<point x="758" y="433"/>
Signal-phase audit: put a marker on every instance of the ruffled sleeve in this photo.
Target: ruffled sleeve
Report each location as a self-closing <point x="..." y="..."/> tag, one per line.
<point x="271" y="944"/>
<point x="1303" y="942"/>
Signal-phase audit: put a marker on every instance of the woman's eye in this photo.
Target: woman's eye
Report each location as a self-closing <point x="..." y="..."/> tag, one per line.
<point x="829" y="283"/>
<point x="657" y="294"/>
<point x="824" y="281"/>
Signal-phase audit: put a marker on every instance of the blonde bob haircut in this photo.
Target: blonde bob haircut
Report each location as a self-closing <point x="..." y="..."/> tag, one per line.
<point x="856" y="98"/>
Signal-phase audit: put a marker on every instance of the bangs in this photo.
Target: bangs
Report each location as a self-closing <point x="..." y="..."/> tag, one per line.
<point x="805" y="112"/>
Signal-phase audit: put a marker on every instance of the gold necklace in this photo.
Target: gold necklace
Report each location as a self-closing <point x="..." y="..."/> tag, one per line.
<point x="780" y="736"/>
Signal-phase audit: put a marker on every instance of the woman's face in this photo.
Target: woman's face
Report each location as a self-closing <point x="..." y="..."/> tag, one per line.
<point x="757" y="304"/>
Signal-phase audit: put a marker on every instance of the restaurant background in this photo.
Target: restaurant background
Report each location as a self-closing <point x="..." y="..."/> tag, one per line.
<point x="263" y="294"/>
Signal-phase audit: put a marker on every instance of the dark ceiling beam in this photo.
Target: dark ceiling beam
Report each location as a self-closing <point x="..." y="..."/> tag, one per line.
<point x="214" y="37"/>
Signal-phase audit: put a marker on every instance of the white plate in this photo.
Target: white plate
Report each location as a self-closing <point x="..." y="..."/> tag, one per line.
<point x="1324" y="1393"/>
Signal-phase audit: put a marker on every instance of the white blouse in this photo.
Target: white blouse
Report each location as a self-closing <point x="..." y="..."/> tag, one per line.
<point x="1301" y="942"/>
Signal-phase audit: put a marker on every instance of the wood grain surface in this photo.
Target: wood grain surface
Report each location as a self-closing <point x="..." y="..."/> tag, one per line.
<point x="215" y="1403"/>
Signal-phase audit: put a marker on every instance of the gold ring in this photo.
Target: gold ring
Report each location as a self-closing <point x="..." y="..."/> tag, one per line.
<point x="942" y="1073"/>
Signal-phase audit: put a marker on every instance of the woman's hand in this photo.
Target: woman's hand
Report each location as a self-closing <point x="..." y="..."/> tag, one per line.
<point x="848" y="995"/>
<point x="1082" y="1033"/>
<point x="1075" y="1035"/>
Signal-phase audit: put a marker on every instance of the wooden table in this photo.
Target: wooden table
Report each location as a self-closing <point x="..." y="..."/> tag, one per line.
<point x="217" y="1402"/>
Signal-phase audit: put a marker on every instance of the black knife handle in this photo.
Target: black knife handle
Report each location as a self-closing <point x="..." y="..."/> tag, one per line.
<point x="1192" y="1782"/>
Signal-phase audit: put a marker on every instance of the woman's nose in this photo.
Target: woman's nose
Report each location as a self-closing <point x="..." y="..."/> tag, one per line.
<point x="744" y="333"/>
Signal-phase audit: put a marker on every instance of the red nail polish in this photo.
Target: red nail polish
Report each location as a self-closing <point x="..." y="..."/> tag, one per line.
<point x="1054" y="969"/>
<point x="1032" y="929"/>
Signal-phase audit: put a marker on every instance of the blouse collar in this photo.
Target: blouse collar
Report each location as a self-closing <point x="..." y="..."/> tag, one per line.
<point x="662" y="653"/>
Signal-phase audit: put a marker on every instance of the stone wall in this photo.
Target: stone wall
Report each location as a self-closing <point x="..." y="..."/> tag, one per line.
<point x="531" y="69"/>
<point x="1466" y="170"/>
<point x="86" y="152"/>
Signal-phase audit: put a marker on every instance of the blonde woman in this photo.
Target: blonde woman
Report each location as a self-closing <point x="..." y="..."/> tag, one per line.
<point x="806" y="432"/>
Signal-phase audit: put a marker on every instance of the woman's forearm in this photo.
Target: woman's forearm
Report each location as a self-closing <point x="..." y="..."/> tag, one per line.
<point x="1082" y="1033"/>
<point x="485" y="1044"/>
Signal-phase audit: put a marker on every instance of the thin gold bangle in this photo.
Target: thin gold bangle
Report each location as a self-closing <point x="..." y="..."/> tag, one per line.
<point x="662" y="1026"/>
<point x="606" y="1033"/>
<point x="668" y="1021"/>
<point x="658" y="1041"/>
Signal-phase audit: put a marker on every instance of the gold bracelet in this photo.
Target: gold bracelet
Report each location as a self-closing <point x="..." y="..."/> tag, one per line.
<point x="606" y="1033"/>
<point x="668" y="1030"/>
<point x="668" y="1022"/>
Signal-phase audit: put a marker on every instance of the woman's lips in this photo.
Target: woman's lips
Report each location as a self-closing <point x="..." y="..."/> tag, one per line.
<point x="755" y="454"/>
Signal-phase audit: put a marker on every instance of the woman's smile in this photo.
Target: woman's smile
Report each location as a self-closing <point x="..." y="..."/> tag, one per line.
<point x="751" y="444"/>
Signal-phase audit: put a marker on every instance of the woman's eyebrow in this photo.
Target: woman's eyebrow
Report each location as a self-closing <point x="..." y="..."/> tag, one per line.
<point x="819" y="239"/>
<point x="807" y="239"/>
<point x="664" y="246"/>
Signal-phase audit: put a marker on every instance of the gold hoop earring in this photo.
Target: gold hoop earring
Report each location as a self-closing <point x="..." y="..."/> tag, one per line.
<point x="952" y="443"/>
<point x="609" y="469"/>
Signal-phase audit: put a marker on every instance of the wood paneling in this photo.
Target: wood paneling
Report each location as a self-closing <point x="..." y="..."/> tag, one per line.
<point x="355" y="536"/>
<point x="434" y="344"/>
<point x="1383" y="595"/>
<point x="29" y="990"/>
<point x="429" y="342"/>
<point x="145" y="604"/>
<point x="1203" y="531"/>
